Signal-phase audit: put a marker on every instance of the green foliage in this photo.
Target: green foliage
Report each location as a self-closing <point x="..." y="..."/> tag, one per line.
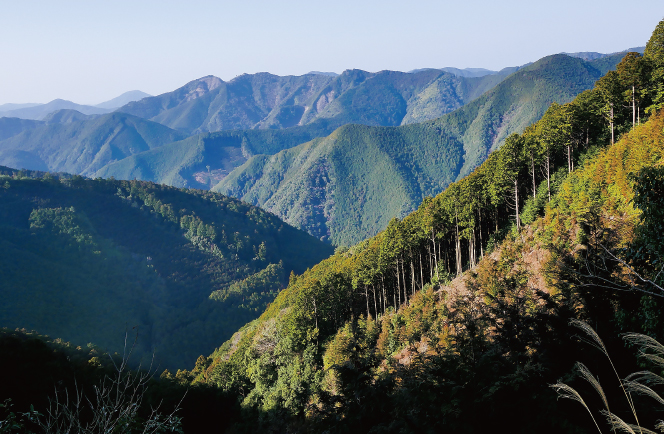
<point x="256" y="291"/>
<point x="647" y="249"/>
<point x="398" y="352"/>
<point x="347" y="186"/>
<point x="86" y="259"/>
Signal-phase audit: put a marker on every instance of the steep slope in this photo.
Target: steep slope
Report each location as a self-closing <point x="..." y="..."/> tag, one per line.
<point x="67" y="144"/>
<point x="385" y="325"/>
<point x="347" y="186"/>
<point x="39" y="112"/>
<point x="186" y="162"/>
<point x="85" y="260"/>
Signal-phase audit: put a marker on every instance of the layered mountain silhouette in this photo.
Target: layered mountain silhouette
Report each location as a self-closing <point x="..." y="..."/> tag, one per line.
<point x="347" y="186"/>
<point x="266" y="101"/>
<point x="424" y="128"/>
<point x="69" y="141"/>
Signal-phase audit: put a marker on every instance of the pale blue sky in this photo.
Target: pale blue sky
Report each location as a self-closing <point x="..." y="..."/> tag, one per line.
<point x="90" y="51"/>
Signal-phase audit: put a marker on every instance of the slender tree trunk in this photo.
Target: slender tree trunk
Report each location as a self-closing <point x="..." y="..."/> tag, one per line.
<point x="421" y="271"/>
<point x="412" y="276"/>
<point x="496" y="214"/>
<point x="633" y="107"/>
<point x="611" y="122"/>
<point x="471" y="249"/>
<point x="405" y="287"/>
<point x="433" y="239"/>
<point x="459" y="267"/>
<point x="569" y="158"/>
<point x="382" y="283"/>
<point x="373" y="288"/>
<point x="479" y="219"/>
<point x="398" y="282"/>
<point x="366" y="295"/>
<point x="548" y="175"/>
<point x="430" y="263"/>
<point x="532" y="170"/>
<point x="315" y="312"/>
<point x="516" y="204"/>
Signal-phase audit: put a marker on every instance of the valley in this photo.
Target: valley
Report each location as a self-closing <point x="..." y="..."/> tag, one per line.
<point x="388" y="252"/>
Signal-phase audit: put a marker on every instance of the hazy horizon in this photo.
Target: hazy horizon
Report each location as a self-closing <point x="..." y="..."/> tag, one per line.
<point x="91" y="53"/>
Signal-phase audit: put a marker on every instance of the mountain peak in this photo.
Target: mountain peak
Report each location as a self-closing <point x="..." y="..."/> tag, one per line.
<point x="202" y="86"/>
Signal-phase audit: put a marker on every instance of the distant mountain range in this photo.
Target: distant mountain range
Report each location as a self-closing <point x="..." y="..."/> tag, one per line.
<point x="347" y="186"/>
<point x="125" y="98"/>
<point x="423" y="130"/>
<point x="80" y="144"/>
<point x="40" y="111"/>
<point x="266" y="101"/>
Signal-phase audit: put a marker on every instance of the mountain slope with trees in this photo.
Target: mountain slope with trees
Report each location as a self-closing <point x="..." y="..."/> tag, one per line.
<point x="464" y="305"/>
<point x="347" y="186"/>
<point x="86" y="260"/>
<point x="72" y="142"/>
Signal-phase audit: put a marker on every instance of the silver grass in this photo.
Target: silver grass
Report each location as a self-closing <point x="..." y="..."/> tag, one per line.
<point x="588" y="376"/>
<point x="646" y="343"/>
<point x="646" y="377"/>
<point x="617" y="424"/>
<point x="565" y="391"/>
<point x="594" y="338"/>
<point x="596" y="342"/>
<point x="642" y="389"/>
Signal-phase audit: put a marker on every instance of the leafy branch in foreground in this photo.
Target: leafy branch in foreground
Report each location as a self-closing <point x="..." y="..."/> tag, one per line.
<point x="637" y="383"/>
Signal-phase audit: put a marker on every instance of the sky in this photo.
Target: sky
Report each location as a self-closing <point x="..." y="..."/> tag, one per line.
<point x="91" y="51"/>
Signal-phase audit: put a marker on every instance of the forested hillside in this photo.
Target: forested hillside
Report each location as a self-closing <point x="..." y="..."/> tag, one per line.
<point x="347" y="186"/>
<point x="463" y="307"/>
<point x="69" y="141"/>
<point x="457" y="317"/>
<point x="86" y="260"/>
<point x="204" y="160"/>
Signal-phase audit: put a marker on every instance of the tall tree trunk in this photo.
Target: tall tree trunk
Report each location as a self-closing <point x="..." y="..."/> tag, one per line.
<point x="412" y="276"/>
<point x="433" y="239"/>
<point x="471" y="249"/>
<point x="479" y="219"/>
<point x="611" y="122"/>
<point x="405" y="286"/>
<point x="373" y="288"/>
<point x="633" y="107"/>
<point x="382" y="283"/>
<point x="459" y="266"/>
<point x="516" y="204"/>
<point x="548" y="174"/>
<point x="532" y="170"/>
<point x="421" y="271"/>
<point x="398" y="282"/>
<point x="430" y="263"/>
<point x="569" y="158"/>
